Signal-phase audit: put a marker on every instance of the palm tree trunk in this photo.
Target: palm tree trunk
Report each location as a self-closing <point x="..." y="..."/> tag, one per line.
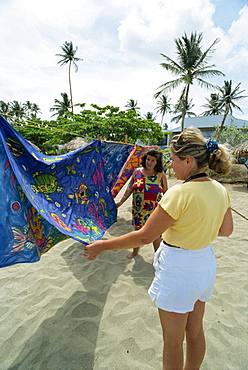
<point x="222" y="123"/>
<point x="185" y="106"/>
<point x="162" y="120"/>
<point x="70" y="86"/>
<point x="183" y="118"/>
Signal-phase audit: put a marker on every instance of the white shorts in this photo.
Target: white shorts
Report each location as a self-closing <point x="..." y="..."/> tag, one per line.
<point x="182" y="277"/>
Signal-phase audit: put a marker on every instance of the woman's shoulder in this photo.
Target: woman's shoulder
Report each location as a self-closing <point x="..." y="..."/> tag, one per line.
<point x="175" y="189"/>
<point x="219" y="186"/>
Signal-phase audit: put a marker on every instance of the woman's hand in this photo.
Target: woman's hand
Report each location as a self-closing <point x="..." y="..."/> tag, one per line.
<point x="92" y="250"/>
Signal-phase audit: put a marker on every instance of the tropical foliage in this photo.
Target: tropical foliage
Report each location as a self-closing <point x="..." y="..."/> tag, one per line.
<point x="61" y="107"/>
<point x="213" y="105"/>
<point x="106" y="123"/>
<point x="133" y="106"/>
<point x="232" y="135"/>
<point x="149" y="115"/>
<point x="182" y="108"/>
<point x="228" y="97"/>
<point x="15" y="110"/>
<point x="110" y="123"/>
<point x="192" y="65"/>
<point x="163" y="106"/>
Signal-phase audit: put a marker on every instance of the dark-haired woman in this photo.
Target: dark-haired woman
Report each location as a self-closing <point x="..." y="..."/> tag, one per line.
<point x="147" y="185"/>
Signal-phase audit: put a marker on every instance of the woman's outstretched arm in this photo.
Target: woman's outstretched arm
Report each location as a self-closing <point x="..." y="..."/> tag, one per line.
<point x="156" y="224"/>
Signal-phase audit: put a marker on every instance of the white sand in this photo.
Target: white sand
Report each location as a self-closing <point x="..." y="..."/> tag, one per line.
<point x="67" y="313"/>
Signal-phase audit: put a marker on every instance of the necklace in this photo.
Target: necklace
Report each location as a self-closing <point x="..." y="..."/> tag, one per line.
<point x="203" y="174"/>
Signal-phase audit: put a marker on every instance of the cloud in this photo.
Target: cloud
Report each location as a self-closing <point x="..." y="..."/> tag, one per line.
<point x="120" y="43"/>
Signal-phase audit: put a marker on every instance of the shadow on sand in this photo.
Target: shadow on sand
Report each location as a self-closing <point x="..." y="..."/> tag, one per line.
<point x="68" y="339"/>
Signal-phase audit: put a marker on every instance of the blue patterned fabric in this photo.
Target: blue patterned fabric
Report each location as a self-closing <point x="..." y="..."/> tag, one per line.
<point x="45" y="199"/>
<point x="114" y="157"/>
<point x="25" y="234"/>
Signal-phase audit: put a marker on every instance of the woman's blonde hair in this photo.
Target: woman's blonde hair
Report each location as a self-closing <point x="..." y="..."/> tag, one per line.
<point x="206" y="152"/>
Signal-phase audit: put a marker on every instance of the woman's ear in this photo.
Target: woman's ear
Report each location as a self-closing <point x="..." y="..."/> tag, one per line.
<point x="189" y="161"/>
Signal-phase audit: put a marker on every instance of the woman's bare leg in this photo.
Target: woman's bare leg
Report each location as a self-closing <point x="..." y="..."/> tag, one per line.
<point x="173" y="326"/>
<point x="196" y="345"/>
<point x="134" y="253"/>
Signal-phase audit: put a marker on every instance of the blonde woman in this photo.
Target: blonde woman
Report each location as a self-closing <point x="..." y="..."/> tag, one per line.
<point x="189" y="216"/>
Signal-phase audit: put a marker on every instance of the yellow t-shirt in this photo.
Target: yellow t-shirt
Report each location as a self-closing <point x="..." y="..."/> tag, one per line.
<point x="198" y="208"/>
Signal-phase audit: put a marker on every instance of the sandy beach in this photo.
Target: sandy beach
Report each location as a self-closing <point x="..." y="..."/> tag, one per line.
<point x="67" y="313"/>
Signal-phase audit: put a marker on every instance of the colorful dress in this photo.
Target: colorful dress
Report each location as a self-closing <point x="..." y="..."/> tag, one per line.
<point x="147" y="192"/>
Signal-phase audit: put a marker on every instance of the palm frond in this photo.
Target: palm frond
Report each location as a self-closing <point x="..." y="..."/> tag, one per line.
<point x="171" y="63"/>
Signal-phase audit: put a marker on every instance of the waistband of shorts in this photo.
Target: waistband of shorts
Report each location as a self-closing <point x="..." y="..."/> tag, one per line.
<point x="170" y="245"/>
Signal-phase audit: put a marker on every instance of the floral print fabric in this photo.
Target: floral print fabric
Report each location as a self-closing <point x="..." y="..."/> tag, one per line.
<point x="147" y="192"/>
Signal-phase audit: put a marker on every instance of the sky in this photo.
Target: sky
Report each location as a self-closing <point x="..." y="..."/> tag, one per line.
<point x="120" y="43"/>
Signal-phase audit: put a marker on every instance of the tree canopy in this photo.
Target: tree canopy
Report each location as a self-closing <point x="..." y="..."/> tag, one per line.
<point x="106" y="123"/>
<point x="232" y="135"/>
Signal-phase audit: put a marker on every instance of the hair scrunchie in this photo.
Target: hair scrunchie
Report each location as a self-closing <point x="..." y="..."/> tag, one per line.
<point x="211" y="145"/>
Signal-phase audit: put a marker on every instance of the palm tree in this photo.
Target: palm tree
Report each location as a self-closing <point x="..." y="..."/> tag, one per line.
<point x="4" y="107"/>
<point x="213" y="105"/>
<point x="164" y="106"/>
<point x="192" y="65"/>
<point x="16" y="110"/>
<point x="181" y="108"/>
<point x="61" y="107"/>
<point x="227" y="98"/>
<point x="31" y="109"/>
<point x="69" y="57"/>
<point x="28" y="107"/>
<point x="35" y="109"/>
<point x="149" y="115"/>
<point x="132" y="105"/>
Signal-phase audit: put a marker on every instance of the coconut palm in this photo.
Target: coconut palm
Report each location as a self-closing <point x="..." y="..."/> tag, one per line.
<point x="4" y="107"/>
<point x="182" y="108"/>
<point x="132" y="105"/>
<point x="17" y="111"/>
<point x="213" y="105"/>
<point x="31" y="109"/>
<point x="164" y="106"/>
<point x="149" y="115"/>
<point x="28" y="107"/>
<point x="227" y="98"/>
<point x="61" y="107"/>
<point x="192" y="66"/>
<point x="35" y="109"/>
<point x="69" y="57"/>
